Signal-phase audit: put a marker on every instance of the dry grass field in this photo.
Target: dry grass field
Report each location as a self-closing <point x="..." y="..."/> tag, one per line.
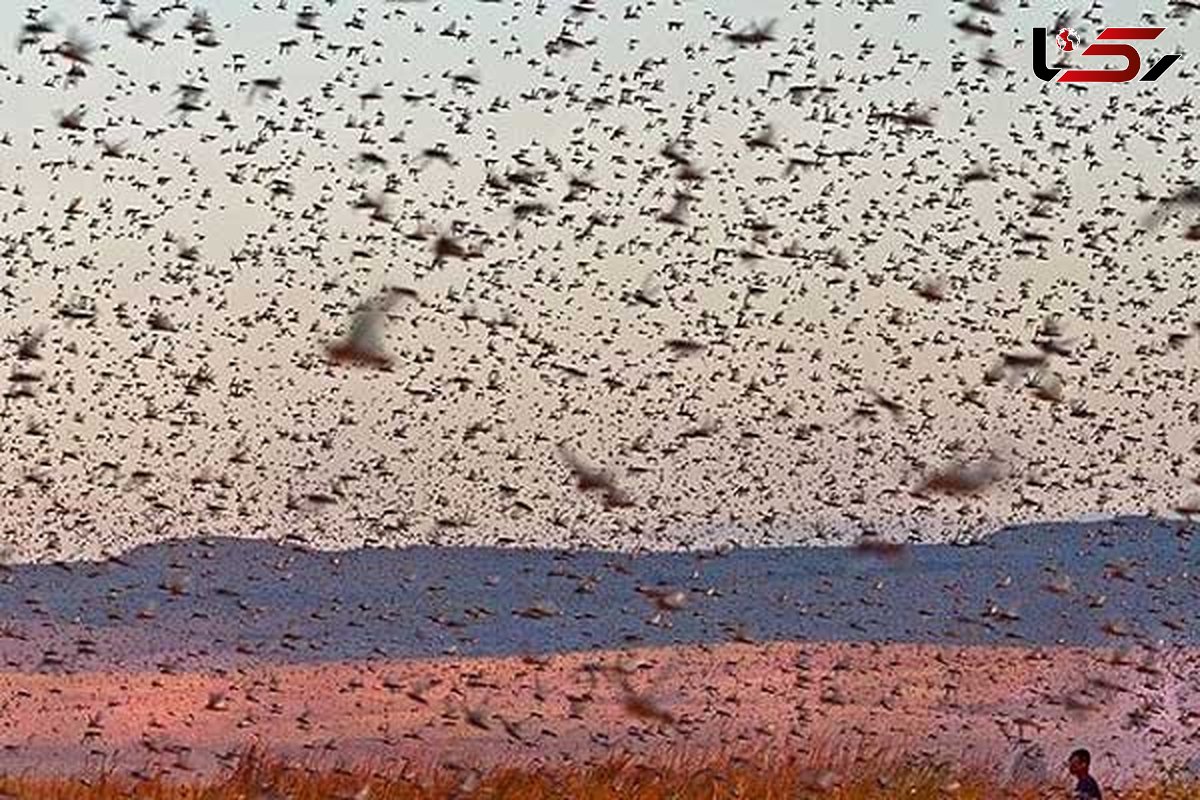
<point x="259" y="776"/>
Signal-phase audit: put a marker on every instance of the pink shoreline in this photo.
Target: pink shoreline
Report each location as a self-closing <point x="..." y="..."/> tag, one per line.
<point x="929" y="701"/>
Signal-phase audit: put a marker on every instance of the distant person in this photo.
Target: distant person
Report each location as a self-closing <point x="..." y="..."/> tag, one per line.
<point x="1080" y="764"/>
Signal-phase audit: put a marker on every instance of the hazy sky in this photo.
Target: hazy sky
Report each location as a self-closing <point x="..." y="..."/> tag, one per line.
<point x="796" y="268"/>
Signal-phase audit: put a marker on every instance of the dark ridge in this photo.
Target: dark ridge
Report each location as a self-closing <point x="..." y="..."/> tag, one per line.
<point x="199" y="603"/>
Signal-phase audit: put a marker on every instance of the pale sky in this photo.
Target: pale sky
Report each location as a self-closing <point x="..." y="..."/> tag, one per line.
<point x="457" y="442"/>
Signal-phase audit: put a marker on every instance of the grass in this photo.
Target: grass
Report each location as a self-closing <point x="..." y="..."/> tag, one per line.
<point x="259" y="776"/>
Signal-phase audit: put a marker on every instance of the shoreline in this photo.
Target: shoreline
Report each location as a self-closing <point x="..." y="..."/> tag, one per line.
<point x="937" y="701"/>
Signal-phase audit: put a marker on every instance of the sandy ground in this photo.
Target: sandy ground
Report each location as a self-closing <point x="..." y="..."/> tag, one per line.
<point x="1016" y="708"/>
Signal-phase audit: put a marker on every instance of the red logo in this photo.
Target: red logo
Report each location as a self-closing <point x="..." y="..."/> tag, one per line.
<point x="1110" y="42"/>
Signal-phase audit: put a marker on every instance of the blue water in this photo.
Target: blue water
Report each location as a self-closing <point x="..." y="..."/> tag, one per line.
<point x="246" y="600"/>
